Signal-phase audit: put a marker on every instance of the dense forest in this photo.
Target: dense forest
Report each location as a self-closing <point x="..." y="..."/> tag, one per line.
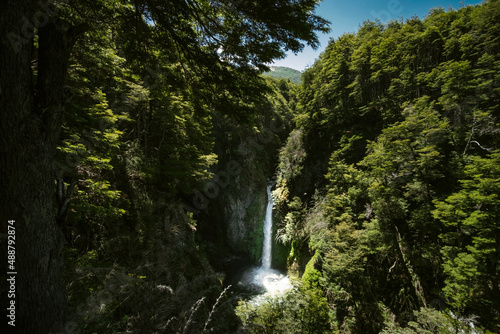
<point x="138" y="139"/>
<point x="390" y="179"/>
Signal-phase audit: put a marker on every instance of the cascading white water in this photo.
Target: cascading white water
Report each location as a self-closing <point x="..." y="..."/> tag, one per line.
<point x="268" y="231"/>
<point x="271" y="280"/>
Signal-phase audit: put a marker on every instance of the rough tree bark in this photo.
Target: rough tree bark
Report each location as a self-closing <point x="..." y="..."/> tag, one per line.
<point x="31" y="109"/>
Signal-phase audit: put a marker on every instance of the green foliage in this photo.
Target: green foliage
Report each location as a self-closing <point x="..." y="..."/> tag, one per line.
<point x="312" y="277"/>
<point x="411" y="146"/>
<point x="181" y="136"/>
<point x="92" y="137"/>
<point x="471" y="251"/>
<point x="291" y="157"/>
<point x="428" y="320"/>
<point x="300" y="310"/>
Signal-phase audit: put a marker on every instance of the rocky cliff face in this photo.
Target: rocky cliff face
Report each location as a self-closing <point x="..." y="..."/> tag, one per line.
<point x="234" y="217"/>
<point x="243" y="203"/>
<point x="243" y="216"/>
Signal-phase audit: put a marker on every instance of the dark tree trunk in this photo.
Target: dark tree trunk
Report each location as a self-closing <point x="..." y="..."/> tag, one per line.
<point x="31" y="117"/>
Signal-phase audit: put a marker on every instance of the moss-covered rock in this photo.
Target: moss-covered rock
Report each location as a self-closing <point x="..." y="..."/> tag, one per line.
<point x="243" y="218"/>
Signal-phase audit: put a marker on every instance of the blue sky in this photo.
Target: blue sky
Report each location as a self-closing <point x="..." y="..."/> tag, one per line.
<point x="347" y="15"/>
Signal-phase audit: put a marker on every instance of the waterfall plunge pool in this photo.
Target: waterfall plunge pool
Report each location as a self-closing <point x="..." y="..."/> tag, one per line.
<point x="267" y="281"/>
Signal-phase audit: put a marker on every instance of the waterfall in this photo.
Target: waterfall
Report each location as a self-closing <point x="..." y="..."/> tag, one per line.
<point x="267" y="246"/>
<point x="271" y="280"/>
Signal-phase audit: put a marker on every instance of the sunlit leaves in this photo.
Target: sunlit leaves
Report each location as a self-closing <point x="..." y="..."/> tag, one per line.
<point x="472" y="252"/>
<point x="411" y="146"/>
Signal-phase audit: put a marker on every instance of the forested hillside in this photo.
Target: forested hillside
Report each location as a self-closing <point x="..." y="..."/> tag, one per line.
<point x="388" y="187"/>
<point x="138" y="139"/>
<point x="287" y="73"/>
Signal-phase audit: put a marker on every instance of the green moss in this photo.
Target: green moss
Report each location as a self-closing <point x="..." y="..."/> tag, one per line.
<point x="312" y="276"/>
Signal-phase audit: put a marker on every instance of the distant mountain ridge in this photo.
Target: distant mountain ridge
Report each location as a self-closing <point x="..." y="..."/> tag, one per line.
<point x="281" y="72"/>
